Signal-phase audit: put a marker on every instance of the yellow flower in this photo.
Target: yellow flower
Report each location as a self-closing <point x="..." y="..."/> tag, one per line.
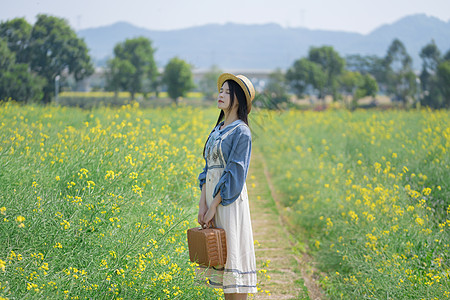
<point x="20" y="219"/>
<point x="426" y="191"/>
<point x="66" y="224"/>
<point x="2" y="265"/>
<point x="3" y="210"/>
<point x="420" y="221"/>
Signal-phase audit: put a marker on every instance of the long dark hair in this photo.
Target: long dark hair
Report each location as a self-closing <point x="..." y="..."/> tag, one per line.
<point x="235" y="89"/>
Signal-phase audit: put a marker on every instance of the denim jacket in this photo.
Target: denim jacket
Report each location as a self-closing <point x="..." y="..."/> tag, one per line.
<point x="236" y="150"/>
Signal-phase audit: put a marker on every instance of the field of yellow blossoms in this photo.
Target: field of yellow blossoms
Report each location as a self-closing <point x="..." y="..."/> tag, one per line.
<point x="371" y="192"/>
<point x="95" y="204"/>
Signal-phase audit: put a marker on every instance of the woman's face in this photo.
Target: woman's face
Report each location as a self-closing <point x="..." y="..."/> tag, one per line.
<point x="224" y="98"/>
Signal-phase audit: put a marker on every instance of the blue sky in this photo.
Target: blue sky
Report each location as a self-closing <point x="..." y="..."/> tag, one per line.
<point x="360" y="16"/>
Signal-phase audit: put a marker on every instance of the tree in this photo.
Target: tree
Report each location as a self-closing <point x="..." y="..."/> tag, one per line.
<point x="447" y="55"/>
<point x="431" y="57"/>
<point x="178" y="78"/>
<point x="118" y="74"/>
<point x="443" y="78"/>
<point x="349" y="81"/>
<point x="332" y="64"/>
<point x="17" y="33"/>
<point x="401" y="80"/>
<point x="208" y="84"/>
<point x="370" y="64"/>
<point x="54" y="49"/>
<point x="133" y="67"/>
<point x="367" y="86"/>
<point x="16" y="82"/>
<point x="276" y="89"/>
<point x="358" y="86"/>
<point x="305" y="73"/>
<point x="7" y="58"/>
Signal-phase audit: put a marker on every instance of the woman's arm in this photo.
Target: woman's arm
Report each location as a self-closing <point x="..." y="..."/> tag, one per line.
<point x="202" y="207"/>
<point x="211" y="211"/>
<point x="238" y="160"/>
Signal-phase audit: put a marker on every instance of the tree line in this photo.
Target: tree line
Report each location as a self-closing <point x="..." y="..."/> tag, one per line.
<point x="133" y="69"/>
<point x="31" y="57"/>
<point x="34" y="59"/>
<point x="325" y="73"/>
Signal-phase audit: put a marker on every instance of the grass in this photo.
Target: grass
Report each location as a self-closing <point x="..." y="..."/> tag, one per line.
<point x="95" y="203"/>
<point x="370" y="191"/>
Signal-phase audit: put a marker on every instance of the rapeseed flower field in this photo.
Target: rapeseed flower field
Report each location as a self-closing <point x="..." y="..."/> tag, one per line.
<point x="370" y="191"/>
<point x="95" y="204"/>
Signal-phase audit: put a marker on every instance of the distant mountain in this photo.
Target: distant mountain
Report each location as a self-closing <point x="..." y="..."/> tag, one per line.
<point x="235" y="46"/>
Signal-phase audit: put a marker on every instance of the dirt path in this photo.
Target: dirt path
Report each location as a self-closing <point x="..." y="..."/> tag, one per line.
<point x="286" y="275"/>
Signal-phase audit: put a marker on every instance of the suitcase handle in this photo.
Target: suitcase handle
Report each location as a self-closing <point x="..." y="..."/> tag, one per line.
<point x="213" y="225"/>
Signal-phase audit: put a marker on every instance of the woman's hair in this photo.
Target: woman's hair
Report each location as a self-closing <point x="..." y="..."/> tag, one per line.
<point x="235" y="89"/>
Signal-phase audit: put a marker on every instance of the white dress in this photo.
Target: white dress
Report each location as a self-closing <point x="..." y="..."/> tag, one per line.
<point x="239" y="273"/>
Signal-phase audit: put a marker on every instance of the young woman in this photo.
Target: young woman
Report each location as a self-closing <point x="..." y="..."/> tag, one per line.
<point x="224" y="199"/>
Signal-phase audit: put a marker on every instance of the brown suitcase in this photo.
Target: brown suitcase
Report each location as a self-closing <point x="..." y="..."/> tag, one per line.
<point x="207" y="247"/>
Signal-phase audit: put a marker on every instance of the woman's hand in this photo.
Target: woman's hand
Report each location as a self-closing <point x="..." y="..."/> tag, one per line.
<point x="207" y="219"/>
<point x="202" y="209"/>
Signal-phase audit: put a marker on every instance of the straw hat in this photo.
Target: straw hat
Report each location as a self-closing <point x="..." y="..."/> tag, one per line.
<point x="243" y="82"/>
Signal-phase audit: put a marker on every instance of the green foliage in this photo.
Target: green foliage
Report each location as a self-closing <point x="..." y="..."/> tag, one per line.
<point x="443" y="77"/>
<point x="48" y="49"/>
<point x="305" y="73"/>
<point x="400" y="78"/>
<point x="276" y="90"/>
<point x="178" y="78"/>
<point x="7" y="58"/>
<point x="447" y="55"/>
<point x="432" y="89"/>
<point x="368" y="87"/>
<point x="208" y="83"/>
<point x="332" y="64"/>
<point x="431" y="57"/>
<point x="16" y="82"/>
<point x="358" y="86"/>
<point x="54" y="48"/>
<point x="17" y="33"/>
<point x="94" y="204"/>
<point x="133" y="67"/>
<point x="19" y="84"/>
<point x="119" y="74"/>
<point x="349" y="81"/>
<point x="369" y="64"/>
<point x="371" y="191"/>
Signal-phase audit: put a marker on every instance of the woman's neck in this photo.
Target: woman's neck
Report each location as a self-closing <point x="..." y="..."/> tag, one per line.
<point x="229" y="118"/>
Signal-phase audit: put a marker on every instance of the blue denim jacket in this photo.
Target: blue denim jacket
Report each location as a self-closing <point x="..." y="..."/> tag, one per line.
<point x="236" y="150"/>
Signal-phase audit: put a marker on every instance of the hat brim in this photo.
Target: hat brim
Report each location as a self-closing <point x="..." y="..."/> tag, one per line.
<point x="243" y="82"/>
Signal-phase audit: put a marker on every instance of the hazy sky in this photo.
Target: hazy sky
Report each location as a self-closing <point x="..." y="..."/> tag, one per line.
<point x="349" y="15"/>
